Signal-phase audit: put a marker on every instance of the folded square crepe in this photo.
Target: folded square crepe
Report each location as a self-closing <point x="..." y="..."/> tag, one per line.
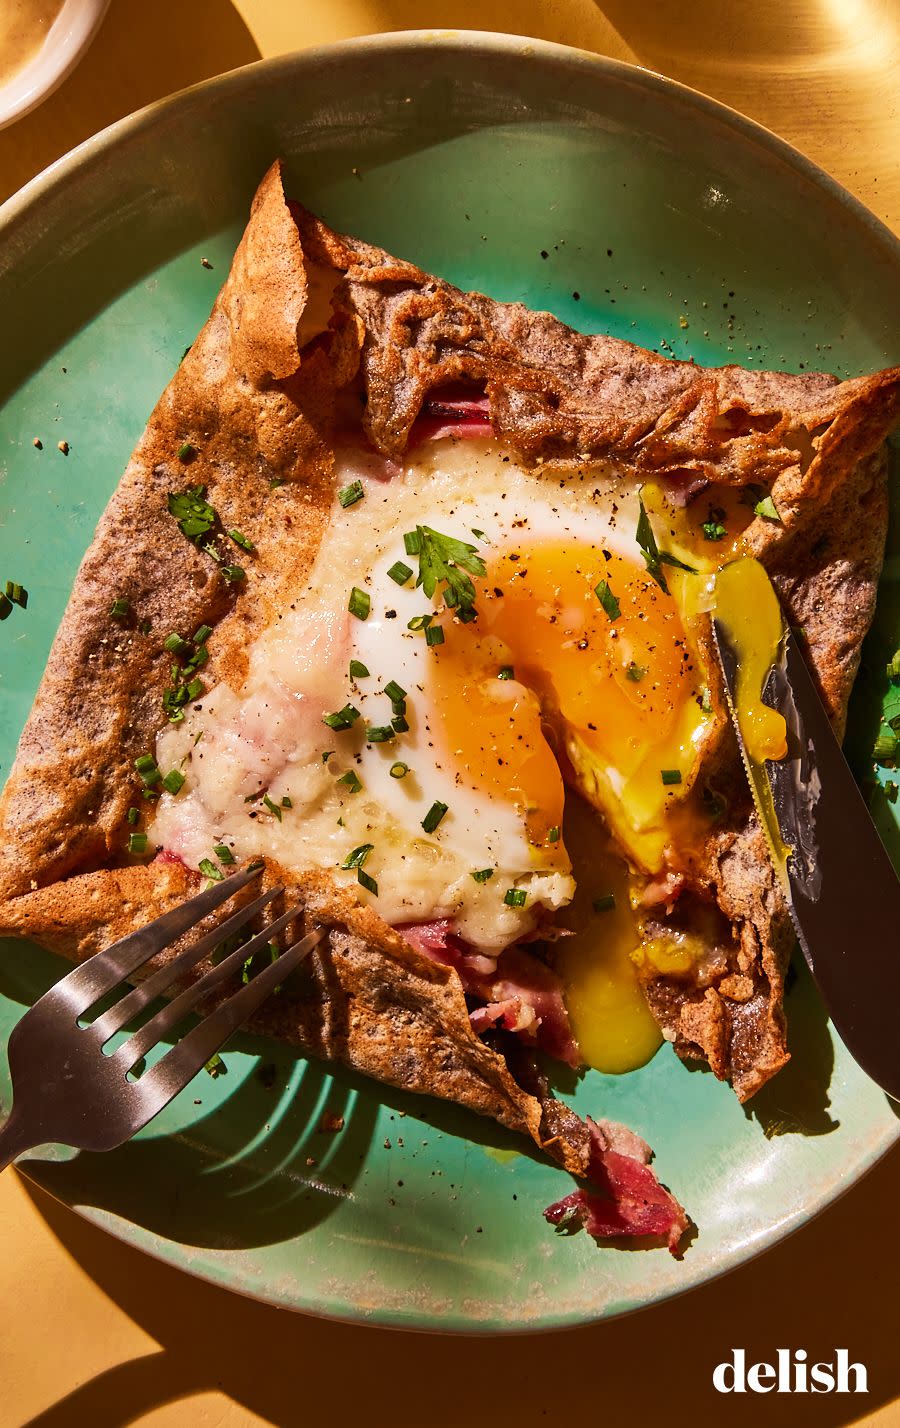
<point x="306" y="316"/>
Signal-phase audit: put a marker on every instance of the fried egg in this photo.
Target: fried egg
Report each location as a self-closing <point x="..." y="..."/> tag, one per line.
<point x="422" y="756"/>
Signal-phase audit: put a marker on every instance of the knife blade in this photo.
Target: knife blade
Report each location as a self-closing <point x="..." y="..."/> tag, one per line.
<point x="838" y="880"/>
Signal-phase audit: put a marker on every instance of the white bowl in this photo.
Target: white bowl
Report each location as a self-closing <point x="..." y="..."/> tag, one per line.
<point x="66" y="41"/>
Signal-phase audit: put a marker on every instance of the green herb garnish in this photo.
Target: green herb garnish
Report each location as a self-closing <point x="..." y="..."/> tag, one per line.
<point x="243" y="541"/>
<point x="349" y="495"/>
<point x="132" y="816"/>
<point x="444" y="561"/>
<point x="434" y="635"/>
<point x="379" y="734"/>
<point x="399" y="572"/>
<point x="767" y="509"/>
<point x="215" y="1066"/>
<point x="605" y="903"/>
<point x="393" y="691"/>
<point x="714" y="530"/>
<point x="506" y="671"/>
<point x="515" y="897"/>
<point x="342" y="718"/>
<point x="358" y="670"/>
<point x="365" y="881"/>
<point x="884" y="750"/>
<point x="359" y="603"/>
<point x="173" y="781"/>
<point x="654" y="558"/>
<point x="137" y="843"/>
<point x="635" y="672"/>
<point x="670" y="775"/>
<point x="194" y="515"/>
<point x="608" y="600"/>
<point x="187" y="451"/>
<point x="352" y="780"/>
<point x="272" y="807"/>
<point x="223" y="853"/>
<point x="209" y="869"/>
<point x="398" y="770"/>
<point x="176" y="645"/>
<point x="553" y="834"/>
<point x="483" y="874"/>
<point x="433" y="816"/>
<point x="120" y="609"/>
<point x="147" y="768"/>
<point x="234" y="574"/>
<point x="358" y="856"/>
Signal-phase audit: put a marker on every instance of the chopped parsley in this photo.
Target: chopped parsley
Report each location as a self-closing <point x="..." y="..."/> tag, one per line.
<point x="506" y="671"/>
<point x="608" y="600"/>
<point x="447" y="562"/>
<point x="195" y="516"/>
<point x="714" y="530"/>
<point x="352" y="780"/>
<point x="358" y="670"/>
<point x="272" y="807"/>
<point x="120" y="609"/>
<point x="366" y="882"/>
<point x="635" y="672"/>
<point x="654" y="558"/>
<point x="767" y="509"/>
<point x="358" y="856"/>
<point x="433" y="816"/>
<point x="349" y="495"/>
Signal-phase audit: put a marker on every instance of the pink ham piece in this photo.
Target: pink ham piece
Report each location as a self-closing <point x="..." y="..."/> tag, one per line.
<point x="516" y="988"/>
<point x="455" y="410"/>
<point x="631" y="1202"/>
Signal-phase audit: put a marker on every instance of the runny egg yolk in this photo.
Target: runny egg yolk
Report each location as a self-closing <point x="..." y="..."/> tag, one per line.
<point x="548" y="650"/>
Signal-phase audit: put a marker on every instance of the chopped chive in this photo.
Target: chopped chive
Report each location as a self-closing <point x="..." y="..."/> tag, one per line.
<point x="399" y="572"/>
<point x="202" y="635"/>
<point x="506" y="671"/>
<point x="359" y="603"/>
<point x="379" y="734"/>
<point x="119" y="609"/>
<point x="173" y="781"/>
<point x="254" y="797"/>
<point x="398" y="706"/>
<point x="199" y="658"/>
<point x="132" y="816"/>
<point x="479" y="535"/>
<point x="714" y="530"/>
<point x="433" y="816"/>
<point x="605" y="903"/>
<point x="635" y="672"/>
<point x="665" y="558"/>
<point x="327" y="755"/>
<point x="515" y="897"/>
<point x="767" y="509"/>
<point x="209" y="869"/>
<point x="670" y="775"/>
<point x="465" y="614"/>
<point x="187" y="451"/>
<point x="434" y="635"/>
<point x="419" y="622"/>
<point x="399" y="770"/>
<point x="194" y="689"/>
<point x="349" y="495"/>
<point x="215" y="1066"/>
<point x="891" y="789"/>
<point x="649" y="549"/>
<point x="352" y="780"/>
<point x="553" y="834"/>
<point x="137" y="843"/>
<point x="145" y="627"/>
<point x="358" y="856"/>
<point x="342" y="718"/>
<point x="483" y="874"/>
<point x="272" y="807"/>
<point x="608" y="600"/>
<point x="399" y="724"/>
<point x="243" y="541"/>
<point x="358" y="670"/>
<point x="234" y="574"/>
<point x="287" y="802"/>
<point x="6" y="606"/>
<point x="412" y="542"/>
<point x="147" y="768"/>
<point x="884" y="750"/>
<point x="365" y="881"/>
<point x="223" y="853"/>
<point x="393" y="691"/>
<point x="176" y="645"/>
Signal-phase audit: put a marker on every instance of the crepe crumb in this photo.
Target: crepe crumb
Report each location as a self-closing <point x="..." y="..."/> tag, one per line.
<point x="310" y="1160"/>
<point x="38" y="443"/>
<point x="330" y="1122"/>
<point x="682" y="321"/>
<point x="205" y="263"/>
<point x="63" y="446"/>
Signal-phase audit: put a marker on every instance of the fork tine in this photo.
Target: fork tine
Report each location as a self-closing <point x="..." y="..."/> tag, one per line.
<point x="134" y="1002"/>
<point x="171" y="1014"/>
<point x="172" y="1073"/>
<point x="99" y="974"/>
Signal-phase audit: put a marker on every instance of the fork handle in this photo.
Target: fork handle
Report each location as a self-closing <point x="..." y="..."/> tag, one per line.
<point x="14" y="1139"/>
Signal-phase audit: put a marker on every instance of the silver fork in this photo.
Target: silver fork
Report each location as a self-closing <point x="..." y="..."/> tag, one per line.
<point x="67" y="1091"/>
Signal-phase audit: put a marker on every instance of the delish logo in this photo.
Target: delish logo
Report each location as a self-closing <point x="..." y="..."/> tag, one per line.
<point x="791" y="1375"/>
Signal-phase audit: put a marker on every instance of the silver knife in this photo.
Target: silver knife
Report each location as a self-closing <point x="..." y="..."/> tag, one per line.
<point x="839" y="882"/>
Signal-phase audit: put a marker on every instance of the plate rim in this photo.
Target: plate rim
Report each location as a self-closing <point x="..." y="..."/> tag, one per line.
<point x="18" y="208"/>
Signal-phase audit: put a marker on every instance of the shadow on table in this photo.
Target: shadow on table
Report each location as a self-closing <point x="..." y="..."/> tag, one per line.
<point x="141" y="53"/>
<point x="831" y="1285"/>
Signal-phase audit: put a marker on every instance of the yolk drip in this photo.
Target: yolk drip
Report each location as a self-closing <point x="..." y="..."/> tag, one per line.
<point x="747" y="607"/>
<point x="609" y="1015"/>
<point x="618" y="683"/>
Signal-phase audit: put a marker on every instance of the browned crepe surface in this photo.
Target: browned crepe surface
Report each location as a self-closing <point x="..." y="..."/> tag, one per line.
<point x="259" y="397"/>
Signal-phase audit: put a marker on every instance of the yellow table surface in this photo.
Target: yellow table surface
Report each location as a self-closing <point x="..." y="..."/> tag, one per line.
<point x="92" y="1332"/>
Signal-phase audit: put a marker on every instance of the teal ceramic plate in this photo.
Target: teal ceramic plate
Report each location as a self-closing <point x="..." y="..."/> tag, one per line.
<point x="626" y="204"/>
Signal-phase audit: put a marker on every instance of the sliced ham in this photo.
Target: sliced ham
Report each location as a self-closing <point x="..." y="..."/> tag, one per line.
<point x="516" y="989"/>
<point x="629" y="1199"/>
<point x="455" y="410"/>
